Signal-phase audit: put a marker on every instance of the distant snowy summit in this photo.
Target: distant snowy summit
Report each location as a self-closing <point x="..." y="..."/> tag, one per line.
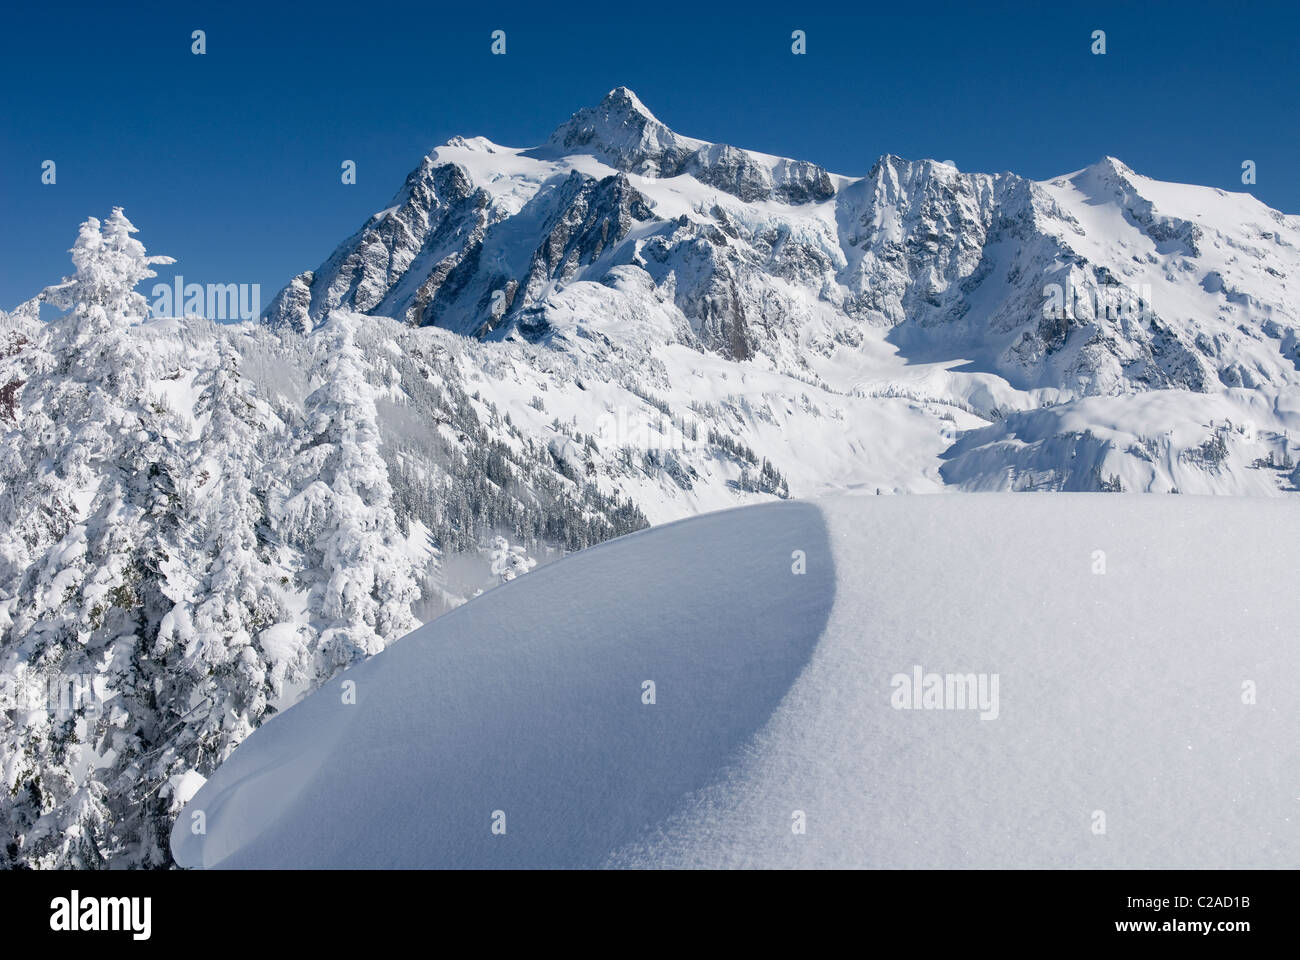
<point x="758" y="255"/>
<point x="1097" y="331"/>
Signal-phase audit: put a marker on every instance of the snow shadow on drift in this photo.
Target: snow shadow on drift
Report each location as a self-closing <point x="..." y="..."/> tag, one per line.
<point x="529" y="700"/>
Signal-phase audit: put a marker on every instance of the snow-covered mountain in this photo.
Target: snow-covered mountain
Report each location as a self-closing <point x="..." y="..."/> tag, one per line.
<point x="808" y="685"/>
<point x="990" y="294"/>
<point x="531" y="351"/>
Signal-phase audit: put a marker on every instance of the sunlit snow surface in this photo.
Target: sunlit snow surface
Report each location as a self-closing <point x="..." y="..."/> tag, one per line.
<point x="1122" y="701"/>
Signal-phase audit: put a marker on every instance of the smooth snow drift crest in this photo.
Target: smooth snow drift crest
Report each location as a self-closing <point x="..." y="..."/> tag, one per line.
<point x="1139" y="650"/>
<point x="530" y="700"/>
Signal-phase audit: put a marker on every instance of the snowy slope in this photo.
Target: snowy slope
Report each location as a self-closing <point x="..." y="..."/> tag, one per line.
<point x="1119" y="701"/>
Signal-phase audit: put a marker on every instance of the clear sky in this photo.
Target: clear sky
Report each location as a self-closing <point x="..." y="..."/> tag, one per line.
<point x="230" y="161"/>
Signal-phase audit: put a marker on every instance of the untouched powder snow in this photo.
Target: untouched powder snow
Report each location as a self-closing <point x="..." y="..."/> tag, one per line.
<point x="1136" y="656"/>
<point x="529" y="700"/>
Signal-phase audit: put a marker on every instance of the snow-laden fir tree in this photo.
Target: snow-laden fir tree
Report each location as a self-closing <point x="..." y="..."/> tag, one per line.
<point x="95" y="459"/>
<point x="214" y="680"/>
<point x="361" y="582"/>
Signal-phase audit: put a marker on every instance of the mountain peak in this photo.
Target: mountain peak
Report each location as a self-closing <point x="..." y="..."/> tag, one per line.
<point x="624" y="101"/>
<point x="622" y="132"/>
<point x="1109" y="168"/>
<point x="1108" y="177"/>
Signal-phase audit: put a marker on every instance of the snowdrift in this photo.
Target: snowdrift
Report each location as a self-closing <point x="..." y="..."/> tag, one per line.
<point x="975" y="681"/>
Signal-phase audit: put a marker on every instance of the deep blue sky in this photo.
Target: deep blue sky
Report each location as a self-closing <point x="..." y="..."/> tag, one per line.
<point x="230" y="161"/>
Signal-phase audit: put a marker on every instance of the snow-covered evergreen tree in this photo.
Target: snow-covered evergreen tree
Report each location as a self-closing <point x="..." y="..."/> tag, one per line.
<point x="95" y="458"/>
<point x="214" y="680"/>
<point x="361" y="582"/>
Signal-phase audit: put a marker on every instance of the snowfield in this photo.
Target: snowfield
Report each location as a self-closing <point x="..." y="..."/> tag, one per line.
<point x="1130" y="659"/>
